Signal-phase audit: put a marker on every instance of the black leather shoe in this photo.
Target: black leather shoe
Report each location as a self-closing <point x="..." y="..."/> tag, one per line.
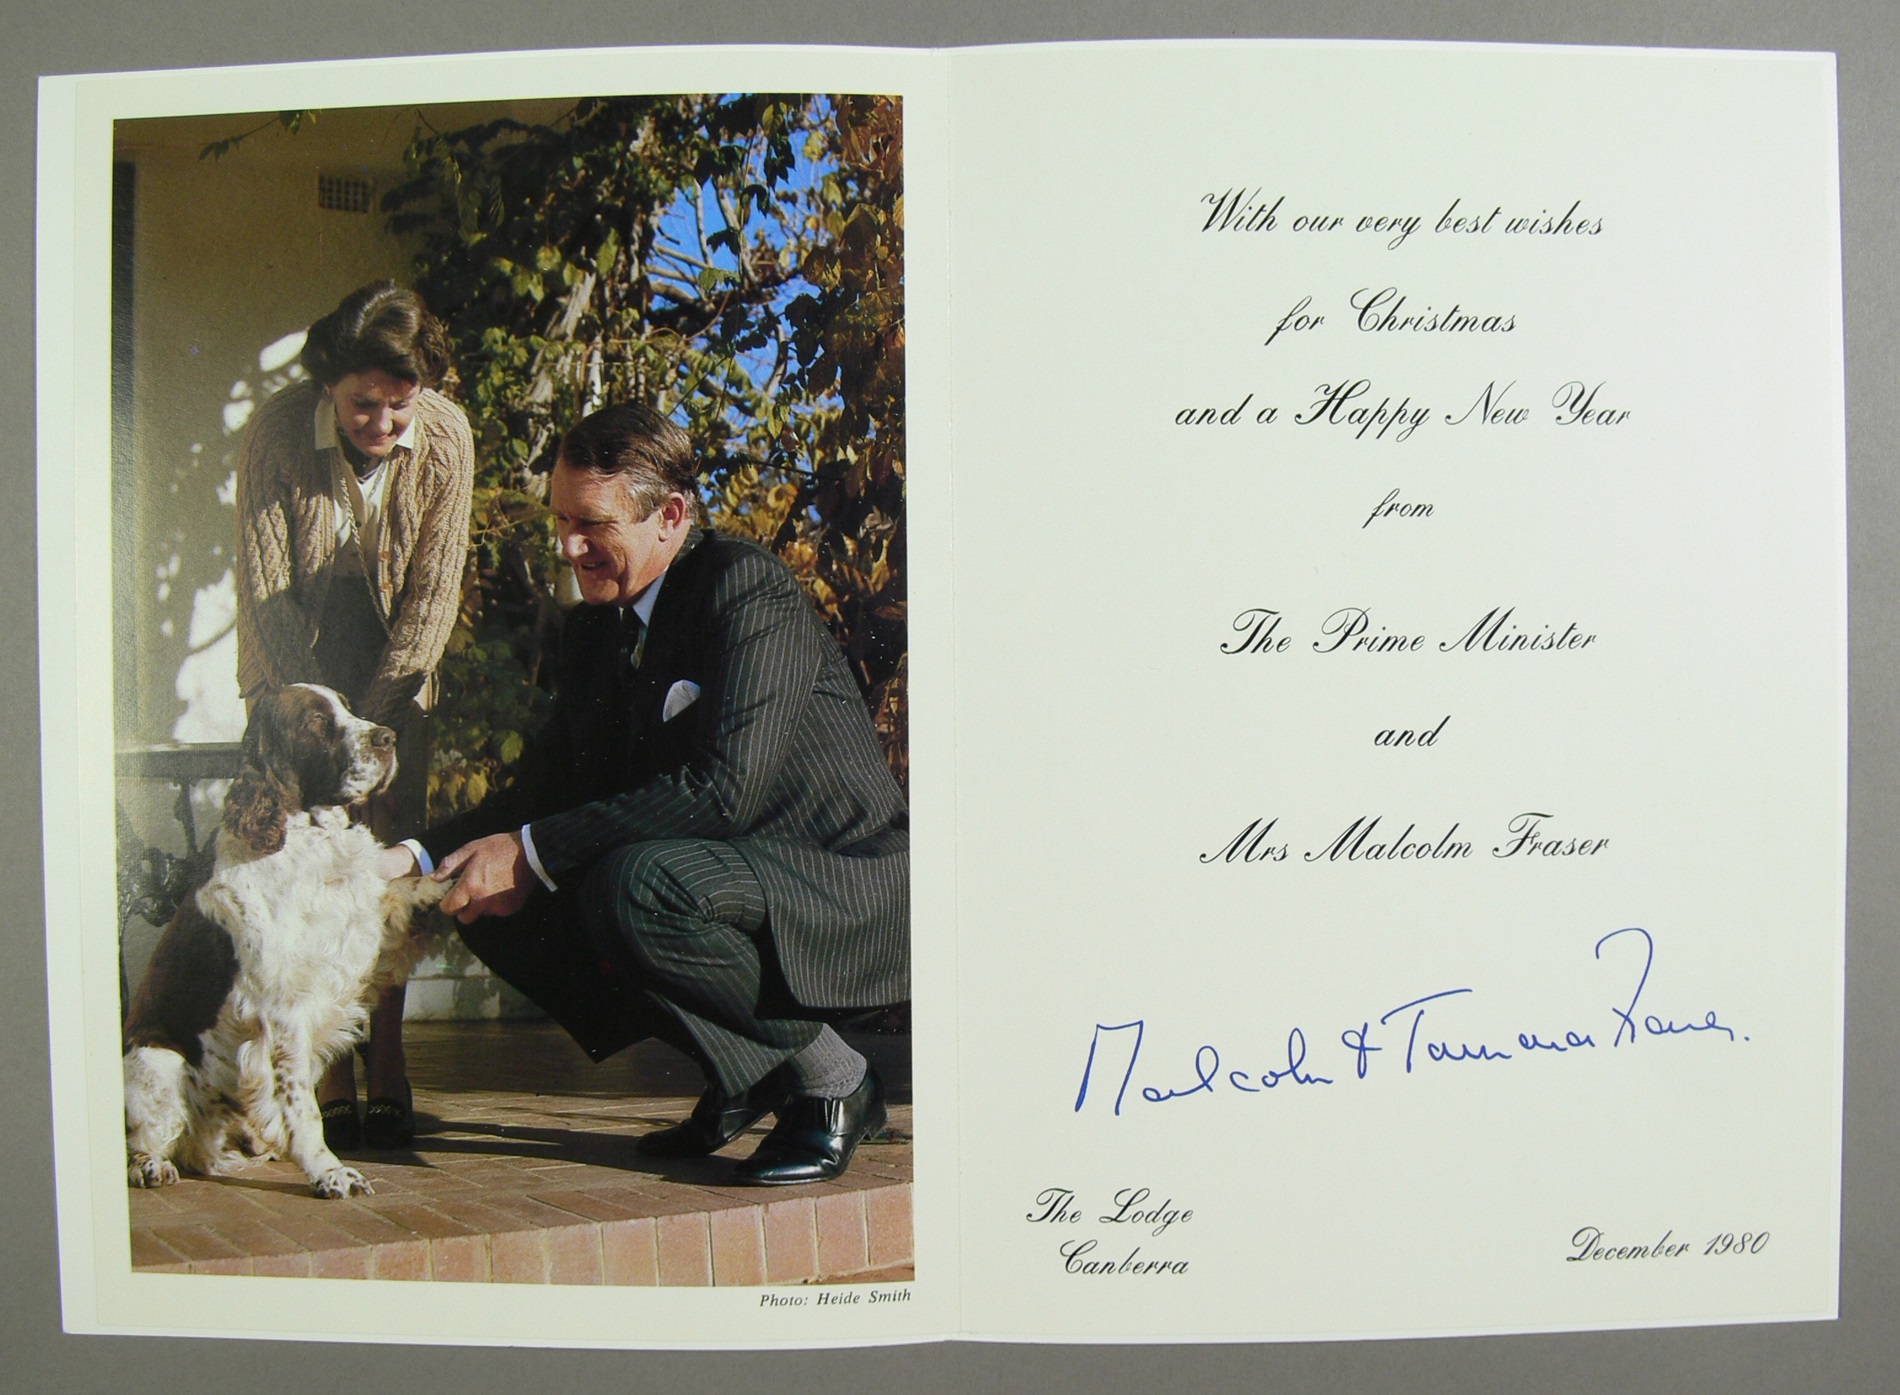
<point x="716" y="1120"/>
<point x="814" y="1138"/>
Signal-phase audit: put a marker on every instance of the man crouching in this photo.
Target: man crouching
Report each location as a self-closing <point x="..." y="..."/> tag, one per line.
<point x="704" y="844"/>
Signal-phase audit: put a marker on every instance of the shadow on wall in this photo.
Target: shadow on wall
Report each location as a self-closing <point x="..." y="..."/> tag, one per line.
<point x="198" y="584"/>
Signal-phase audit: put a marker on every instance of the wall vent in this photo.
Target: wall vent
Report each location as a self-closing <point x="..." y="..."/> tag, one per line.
<point x="343" y="193"/>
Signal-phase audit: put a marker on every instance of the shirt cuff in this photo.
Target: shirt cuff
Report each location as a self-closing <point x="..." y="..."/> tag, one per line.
<point x="534" y="861"/>
<point x="425" y="865"/>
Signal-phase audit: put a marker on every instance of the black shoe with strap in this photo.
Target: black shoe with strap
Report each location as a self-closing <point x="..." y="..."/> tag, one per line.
<point x="342" y="1126"/>
<point x="815" y="1137"/>
<point x="389" y="1122"/>
<point x="716" y="1120"/>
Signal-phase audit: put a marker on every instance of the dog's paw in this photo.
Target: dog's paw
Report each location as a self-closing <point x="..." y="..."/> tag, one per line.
<point x="339" y="1182"/>
<point x="144" y="1170"/>
<point x="406" y="895"/>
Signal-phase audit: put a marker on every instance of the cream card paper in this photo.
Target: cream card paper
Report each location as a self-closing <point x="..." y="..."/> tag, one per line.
<point x="1377" y="669"/>
<point x="1400" y="644"/>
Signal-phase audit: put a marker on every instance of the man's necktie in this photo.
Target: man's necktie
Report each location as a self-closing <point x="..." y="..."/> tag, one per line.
<point x="633" y="633"/>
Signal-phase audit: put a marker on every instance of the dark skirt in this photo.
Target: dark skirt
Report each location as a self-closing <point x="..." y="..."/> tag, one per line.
<point x="350" y="642"/>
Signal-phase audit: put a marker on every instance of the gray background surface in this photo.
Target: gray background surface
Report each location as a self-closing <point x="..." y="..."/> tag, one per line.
<point x="1859" y="1353"/>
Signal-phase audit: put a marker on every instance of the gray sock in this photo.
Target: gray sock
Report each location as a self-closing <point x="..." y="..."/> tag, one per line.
<point x="827" y="1068"/>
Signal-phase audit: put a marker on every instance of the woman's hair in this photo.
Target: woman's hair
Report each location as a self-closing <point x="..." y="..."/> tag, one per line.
<point x="378" y="326"/>
<point x="631" y="440"/>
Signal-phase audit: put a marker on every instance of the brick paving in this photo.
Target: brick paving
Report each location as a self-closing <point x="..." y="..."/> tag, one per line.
<point x="524" y="1171"/>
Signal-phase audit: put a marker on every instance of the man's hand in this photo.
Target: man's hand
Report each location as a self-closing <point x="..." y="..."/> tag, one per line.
<point x="493" y="878"/>
<point x="395" y="862"/>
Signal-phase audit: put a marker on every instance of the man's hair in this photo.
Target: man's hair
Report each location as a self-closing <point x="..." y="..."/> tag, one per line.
<point x="379" y="326"/>
<point x="634" y="442"/>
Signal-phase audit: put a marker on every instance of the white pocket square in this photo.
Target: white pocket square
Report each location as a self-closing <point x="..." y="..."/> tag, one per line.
<point x="679" y="697"/>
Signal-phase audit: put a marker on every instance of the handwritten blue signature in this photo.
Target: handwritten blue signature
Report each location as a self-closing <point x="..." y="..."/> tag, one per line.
<point x="1407" y="1022"/>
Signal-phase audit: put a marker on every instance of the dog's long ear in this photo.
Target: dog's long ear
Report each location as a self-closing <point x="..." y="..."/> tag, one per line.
<point x="260" y="799"/>
<point x="255" y="810"/>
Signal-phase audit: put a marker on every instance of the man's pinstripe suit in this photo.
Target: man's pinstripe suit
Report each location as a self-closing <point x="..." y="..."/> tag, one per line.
<point x="723" y="874"/>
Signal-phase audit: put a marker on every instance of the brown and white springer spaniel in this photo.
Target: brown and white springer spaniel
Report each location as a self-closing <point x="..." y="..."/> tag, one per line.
<point x="265" y="974"/>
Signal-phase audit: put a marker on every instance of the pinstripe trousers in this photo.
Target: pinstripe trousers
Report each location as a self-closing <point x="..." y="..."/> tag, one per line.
<point x="660" y="939"/>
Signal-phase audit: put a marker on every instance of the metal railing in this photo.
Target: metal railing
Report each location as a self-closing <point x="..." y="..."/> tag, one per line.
<point x="152" y="881"/>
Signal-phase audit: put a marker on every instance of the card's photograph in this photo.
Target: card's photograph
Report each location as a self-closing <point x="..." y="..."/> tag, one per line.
<point x="510" y="690"/>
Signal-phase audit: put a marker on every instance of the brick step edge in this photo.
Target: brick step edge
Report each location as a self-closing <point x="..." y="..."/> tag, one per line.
<point x="806" y="1239"/>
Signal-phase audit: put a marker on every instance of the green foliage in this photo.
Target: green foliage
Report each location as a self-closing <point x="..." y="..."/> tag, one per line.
<point x="289" y="121"/>
<point x="735" y="260"/>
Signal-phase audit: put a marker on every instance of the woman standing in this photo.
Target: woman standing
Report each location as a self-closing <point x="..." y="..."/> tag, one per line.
<point x="353" y="504"/>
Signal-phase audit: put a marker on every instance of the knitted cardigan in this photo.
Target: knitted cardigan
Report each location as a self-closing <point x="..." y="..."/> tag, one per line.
<point x="287" y="545"/>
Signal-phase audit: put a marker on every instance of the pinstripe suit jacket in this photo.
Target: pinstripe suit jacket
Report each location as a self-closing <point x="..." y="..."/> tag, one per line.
<point x="776" y="757"/>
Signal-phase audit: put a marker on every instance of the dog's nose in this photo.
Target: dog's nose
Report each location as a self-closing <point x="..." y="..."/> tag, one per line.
<point x="382" y="738"/>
